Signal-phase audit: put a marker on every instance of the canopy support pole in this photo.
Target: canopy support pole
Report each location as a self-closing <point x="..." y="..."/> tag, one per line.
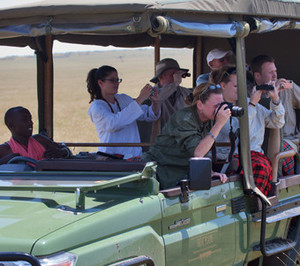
<point x="245" y="156"/>
<point x="244" y="123"/>
<point x="44" y="59"/>
<point x="156" y="125"/>
<point x="197" y="60"/>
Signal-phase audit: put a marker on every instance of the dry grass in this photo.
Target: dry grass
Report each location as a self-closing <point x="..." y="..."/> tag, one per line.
<point x="71" y="122"/>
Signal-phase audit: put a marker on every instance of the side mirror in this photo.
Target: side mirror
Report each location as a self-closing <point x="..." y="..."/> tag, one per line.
<point x="200" y="170"/>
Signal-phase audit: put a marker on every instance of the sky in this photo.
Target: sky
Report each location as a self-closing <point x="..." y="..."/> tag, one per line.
<point x="58" y="47"/>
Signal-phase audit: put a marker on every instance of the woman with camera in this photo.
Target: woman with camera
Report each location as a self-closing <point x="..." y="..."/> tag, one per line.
<point x="259" y="118"/>
<point x="190" y="132"/>
<point x="115" y="115"/>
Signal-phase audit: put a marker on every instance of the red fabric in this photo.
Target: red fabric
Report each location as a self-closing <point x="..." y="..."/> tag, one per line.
<point x="262" y="171"/>
<point x="288" y="164"/>
<point x="35" y="150"/>
<point x="134" y="159"/>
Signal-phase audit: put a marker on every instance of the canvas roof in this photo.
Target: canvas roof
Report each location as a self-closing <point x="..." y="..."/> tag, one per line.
<point x="130" y="24"/>
<point x="274" y="8"/>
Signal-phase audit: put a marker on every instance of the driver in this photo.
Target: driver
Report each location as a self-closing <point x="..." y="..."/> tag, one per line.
<point x="22" y="143"/>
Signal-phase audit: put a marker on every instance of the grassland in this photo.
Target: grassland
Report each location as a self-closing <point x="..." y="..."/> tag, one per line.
<point x="71" y="100"/>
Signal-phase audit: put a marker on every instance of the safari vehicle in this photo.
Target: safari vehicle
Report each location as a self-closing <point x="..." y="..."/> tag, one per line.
<point x="89" y="211"/>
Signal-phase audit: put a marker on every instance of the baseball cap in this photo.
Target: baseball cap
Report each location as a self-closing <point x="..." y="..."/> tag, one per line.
<point x="163" y="65"/>
<point x="217" y="54"/>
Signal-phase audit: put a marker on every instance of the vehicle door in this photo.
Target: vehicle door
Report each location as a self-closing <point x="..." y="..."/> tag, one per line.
<point x="205" y="230"/>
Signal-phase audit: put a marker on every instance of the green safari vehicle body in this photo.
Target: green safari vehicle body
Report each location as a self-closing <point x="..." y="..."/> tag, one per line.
<point x="111" y="217"/>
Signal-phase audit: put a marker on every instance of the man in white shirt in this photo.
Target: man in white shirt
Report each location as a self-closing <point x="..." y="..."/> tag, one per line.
<point x="264" y="70"/>
<point x="216" y="59"/>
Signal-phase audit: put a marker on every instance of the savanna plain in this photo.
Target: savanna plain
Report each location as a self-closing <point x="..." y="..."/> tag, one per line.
<point x="18" y="86"/>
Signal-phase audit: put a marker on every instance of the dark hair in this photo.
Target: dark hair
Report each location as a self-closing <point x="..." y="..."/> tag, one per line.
<point x="223" y="74"/>
<point x="202" y="92"/>
<point x="93" y="76"/>
<point x="10" y="113"/>
<point x="258" y="61"/>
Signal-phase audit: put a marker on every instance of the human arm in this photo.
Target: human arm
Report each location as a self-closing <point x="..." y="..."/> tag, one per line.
<point x="296" y="96"/>
<point x="166" y="91"/>
<point x="284" y="84"/>
<point x="6" y="153"/>
<point x="155" y="102"/>
<point x="206" y="143"/>
<point x="223" y="177"/>
<point x="295" y="89"/>
<point x="107" y="121"/>
<point x="153" y="112"/>
<point x="53" y="149"/>
<point x="274" y="118"/>
<point x="144" y="94"/>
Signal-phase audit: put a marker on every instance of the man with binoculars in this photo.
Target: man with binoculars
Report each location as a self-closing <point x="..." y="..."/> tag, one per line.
<point x="264" y="70"/>
<point x="259" y="119"/>
<point x="167" y="79"/>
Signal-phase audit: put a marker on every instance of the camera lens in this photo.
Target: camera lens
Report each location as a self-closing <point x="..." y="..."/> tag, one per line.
<point x="237" y="111"/>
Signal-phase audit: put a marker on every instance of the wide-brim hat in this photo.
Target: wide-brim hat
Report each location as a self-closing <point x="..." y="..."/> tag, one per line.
<point x="163" y="65"/>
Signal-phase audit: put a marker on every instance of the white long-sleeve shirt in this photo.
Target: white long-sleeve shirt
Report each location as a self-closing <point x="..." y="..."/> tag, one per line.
<point x="120" y="125"/>
<point x="259" y="119"/>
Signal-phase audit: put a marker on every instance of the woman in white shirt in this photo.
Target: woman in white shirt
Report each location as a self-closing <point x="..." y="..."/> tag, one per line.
<point x="259" y="119"/>
<point x="115" y="115"/>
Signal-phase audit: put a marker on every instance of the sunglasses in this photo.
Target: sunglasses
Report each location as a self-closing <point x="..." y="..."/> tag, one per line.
<point x="114" y="80"/>
<point x="224" y="58"/>
<point x="211" y="87"/>
<point x="230" y="71"/>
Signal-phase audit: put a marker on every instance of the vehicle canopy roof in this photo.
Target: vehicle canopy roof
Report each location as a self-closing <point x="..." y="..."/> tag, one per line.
<point x="134" y="24"/>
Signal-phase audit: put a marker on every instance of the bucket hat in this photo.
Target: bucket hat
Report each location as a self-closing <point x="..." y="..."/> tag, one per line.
<point x="165" y="64"/>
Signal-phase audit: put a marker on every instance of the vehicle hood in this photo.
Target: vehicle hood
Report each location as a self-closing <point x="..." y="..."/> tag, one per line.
<point x="43" y="223"/>
<point x="25" y="217"/>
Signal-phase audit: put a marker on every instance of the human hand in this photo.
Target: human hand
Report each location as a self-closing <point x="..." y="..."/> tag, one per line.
<point x="255" y="95"/>
<point x="273" y="94"/>
<point x="55" y="152"/>
<point x="144" y="94"/>
<point x="284" y="84"/>
<point x="222" y="115"/>
<point x="177" y="76"/>
<point x="154" y="97"/>
<point x="223" y="177"/>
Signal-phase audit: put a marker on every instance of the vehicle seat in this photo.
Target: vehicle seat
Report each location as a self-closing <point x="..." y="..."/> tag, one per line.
<point x="275" y="153"/>
<point x="145" y="129"/>
<point x="273" y="147"/>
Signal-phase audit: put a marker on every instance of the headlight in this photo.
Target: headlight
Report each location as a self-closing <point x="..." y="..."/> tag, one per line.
<point x="15" y="263"/>
<point x="61" y="259"/>
<point x="24" y="259"/>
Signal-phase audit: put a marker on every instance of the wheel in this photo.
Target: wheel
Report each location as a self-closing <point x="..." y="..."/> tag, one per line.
<point x="25" y="160"/>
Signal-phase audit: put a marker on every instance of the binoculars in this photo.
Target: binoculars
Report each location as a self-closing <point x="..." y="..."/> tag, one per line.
<point x="184" y="75"/>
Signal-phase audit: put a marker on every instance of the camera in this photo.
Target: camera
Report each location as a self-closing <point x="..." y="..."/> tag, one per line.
<point x="235" y="110"/>
<point x="186" y="74"/>
<point x="265" y="87"/>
